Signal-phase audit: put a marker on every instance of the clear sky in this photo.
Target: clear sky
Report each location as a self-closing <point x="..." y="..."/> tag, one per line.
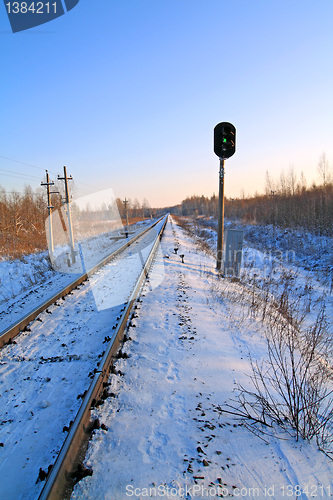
<point x="126" y="93"/>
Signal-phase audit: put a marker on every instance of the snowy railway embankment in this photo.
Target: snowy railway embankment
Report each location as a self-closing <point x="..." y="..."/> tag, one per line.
<point x="28" y="282"/>
<point x="46" y="371"/>
<point x="161" y="431"/>
<point x="189" y="350"/>
<point x="309" y="252"/>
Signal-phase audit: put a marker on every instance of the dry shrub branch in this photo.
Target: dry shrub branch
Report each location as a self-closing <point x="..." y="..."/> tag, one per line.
<point x="292" y="387"/>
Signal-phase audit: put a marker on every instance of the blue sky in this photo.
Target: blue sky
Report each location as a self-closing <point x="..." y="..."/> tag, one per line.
<point x="127" y="93"/>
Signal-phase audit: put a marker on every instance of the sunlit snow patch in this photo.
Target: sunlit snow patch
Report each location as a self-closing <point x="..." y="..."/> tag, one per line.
<point x="83" y="233"/>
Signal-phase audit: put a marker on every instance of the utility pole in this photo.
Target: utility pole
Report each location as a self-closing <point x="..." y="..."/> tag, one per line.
<point x="49" y="208"/>
<point x="273" y="211"/>
<point x="126" y="212"/>
<point x="220" y="229"/>
<point x="68" y="210"/>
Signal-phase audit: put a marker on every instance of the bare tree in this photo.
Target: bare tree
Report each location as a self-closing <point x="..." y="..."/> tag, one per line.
<point x="324" y="170"/>
<point x="302" y="183"/>
<point x="269" y="184"/>
<point x="292" y="180"/>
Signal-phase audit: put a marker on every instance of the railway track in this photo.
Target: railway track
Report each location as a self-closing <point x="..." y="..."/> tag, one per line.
<point x="8" y="334"/>
<point x="19" y="362"/>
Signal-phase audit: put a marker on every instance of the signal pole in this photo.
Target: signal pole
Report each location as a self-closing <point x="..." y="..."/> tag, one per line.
<point x="126" y="212"/>
<point x="68" y="210"/>
<point x="49" y="208"/>
<point x="220" y="228"/>
<point x="224" y="147"/>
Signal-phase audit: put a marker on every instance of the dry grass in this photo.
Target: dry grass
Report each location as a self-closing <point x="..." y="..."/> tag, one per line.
<point x="293" y="386"/>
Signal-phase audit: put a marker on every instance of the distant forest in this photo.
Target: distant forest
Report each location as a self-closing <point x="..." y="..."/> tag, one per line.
<point x="287" y="202"/>
<point x="23" y="216"/>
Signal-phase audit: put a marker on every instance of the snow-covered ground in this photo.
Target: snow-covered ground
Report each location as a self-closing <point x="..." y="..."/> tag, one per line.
<point x="273" y="270"/>
<point x="306" y="250"/>
<point x="29" y="281"/>
<point x="44" y="374"/>
<point x="166" y="436"/>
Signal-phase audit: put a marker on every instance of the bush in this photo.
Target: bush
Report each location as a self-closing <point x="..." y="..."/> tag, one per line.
<point x="292" y="387"/>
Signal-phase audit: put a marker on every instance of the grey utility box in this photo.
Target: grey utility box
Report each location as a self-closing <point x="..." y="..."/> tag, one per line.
<point x="232" y="252"/>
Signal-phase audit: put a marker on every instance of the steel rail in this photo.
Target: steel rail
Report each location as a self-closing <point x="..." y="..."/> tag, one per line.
<point x="13" y="330"/>
<point x="60" y="481"/>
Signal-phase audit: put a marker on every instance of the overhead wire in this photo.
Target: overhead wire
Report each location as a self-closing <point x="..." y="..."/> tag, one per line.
<point x="24" y="163"/>
<point x="17" y="176"/>
<point x="14" y="174"/>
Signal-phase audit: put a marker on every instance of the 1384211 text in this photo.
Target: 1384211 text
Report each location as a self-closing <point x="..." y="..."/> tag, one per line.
<point x="31" y="7"/>
<point x="313" y="491"/>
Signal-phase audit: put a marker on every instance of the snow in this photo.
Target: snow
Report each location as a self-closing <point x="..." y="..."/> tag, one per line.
<point x="29" y="281"/>
<point x="267" y="267"/>
<point x="189" y="348"/>
<point x="45" y="372"/>
<point x="304" y="249"/>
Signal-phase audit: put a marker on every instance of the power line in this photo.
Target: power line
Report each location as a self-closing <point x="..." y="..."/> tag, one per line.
<point x="10" y="192"/>
<point x="53" y="173"/>
<point x="13" y="173"/>
<point x="19" y="177"/>
<point x="23" y="163"/>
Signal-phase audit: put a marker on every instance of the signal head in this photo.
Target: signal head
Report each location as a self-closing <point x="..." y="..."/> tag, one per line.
<point x="224" y="140"/>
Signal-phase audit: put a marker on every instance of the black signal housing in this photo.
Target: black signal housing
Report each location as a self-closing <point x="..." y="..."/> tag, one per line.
<point x="224" y="140"/>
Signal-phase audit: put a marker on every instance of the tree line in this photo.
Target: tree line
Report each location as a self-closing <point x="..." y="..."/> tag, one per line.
<point x="23" y="216"/>
<point x="22" y="222"/>
<point x="287" y="202"/>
